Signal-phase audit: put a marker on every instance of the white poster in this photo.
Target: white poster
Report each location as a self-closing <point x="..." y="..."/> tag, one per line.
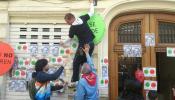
<point x="55" y="49"/>
<point x="150" y="85"/>
<point x="34" y="49"/>
<point x="45" y="49"/>
<point x="132" y="50"/>
<point x="149" y="39"/>
<point x="17" y="85"/>
<point x="170" y="52"/>
<point x="149" y="71"/>
<point x="104" y="72"/>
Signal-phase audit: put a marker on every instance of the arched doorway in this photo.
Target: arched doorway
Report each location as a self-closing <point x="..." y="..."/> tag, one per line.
<point x="131" y="29"/>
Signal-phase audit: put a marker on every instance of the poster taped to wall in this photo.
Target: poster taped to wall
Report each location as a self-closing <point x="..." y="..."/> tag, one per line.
<point x="17" y="85"/>
<point x="132" y="50"/>
<point x="34" y="49"/>
<point x="104" y="72"/>
<point x="149" y="39"/>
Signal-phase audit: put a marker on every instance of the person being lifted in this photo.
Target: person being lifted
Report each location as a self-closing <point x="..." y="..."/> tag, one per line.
<point x="79" y="27"/>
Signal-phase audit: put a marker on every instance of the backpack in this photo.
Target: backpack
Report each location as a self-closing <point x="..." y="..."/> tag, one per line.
<point x="32" y="89"/>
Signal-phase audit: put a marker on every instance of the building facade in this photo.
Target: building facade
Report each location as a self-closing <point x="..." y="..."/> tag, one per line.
<point x="40" y="24"/>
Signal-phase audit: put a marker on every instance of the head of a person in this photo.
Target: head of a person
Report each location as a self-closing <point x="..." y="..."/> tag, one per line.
<point x="85" y="69"/>
<point x="152" y="95"/>
<point x="69" y="18"/>
<point x="42" y="65"/>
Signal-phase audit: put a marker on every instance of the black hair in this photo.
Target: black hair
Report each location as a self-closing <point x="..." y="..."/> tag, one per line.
<point x="40" y="64"/>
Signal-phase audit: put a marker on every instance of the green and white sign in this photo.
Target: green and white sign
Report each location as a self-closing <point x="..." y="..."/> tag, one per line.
<point x="150" y="85"/>
<point x="149" y="71"/>
<point x="170" y="52"/>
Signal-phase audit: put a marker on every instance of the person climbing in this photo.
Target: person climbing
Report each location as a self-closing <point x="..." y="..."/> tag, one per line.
<point x="87" y="88"/>
<point x="79" y="27"/>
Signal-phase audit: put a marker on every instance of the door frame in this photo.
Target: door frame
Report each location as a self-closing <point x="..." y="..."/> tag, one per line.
<point x="115" y="48"/>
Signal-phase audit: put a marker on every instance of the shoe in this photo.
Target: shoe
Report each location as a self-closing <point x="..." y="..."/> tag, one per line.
<point x="72" y="84"/>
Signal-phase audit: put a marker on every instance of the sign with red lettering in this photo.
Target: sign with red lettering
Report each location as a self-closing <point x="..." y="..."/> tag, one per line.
<point x="6" y="57"/>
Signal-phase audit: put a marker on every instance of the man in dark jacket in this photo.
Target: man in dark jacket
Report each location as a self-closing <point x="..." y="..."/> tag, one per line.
<point x="79" y="27"/>
<point x="43" y="79"/>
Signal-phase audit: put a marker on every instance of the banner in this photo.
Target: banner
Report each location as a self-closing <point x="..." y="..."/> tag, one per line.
<point x="6" y="57"/>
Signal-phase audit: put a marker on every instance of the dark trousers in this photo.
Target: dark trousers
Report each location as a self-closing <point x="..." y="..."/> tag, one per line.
<point x="79" y="59"/>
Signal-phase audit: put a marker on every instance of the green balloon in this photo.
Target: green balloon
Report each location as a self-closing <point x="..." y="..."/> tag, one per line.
<point x="97" y="25"/>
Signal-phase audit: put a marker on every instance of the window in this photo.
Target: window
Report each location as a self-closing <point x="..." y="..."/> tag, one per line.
<point x="129" y="32"/>
<point x="166" y="32"/>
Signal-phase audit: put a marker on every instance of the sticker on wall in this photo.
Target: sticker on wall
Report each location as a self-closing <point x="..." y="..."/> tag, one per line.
<point x="59" y="60"/>
<point x="56" y="60"/>
<point x="23" y="62"/>
<point x="149" y="39"/>
<point x="149" y="72"/>
<point x="53" y="60"/>
<point x="15" y="64"/>
<point x="33" y="61"/>
<point x="33" y="49"/>
<point x="17" y="85"/>
<point x="20" y="74"/>
<point x="170" y="52"/>
<point x="103" y="82"/>
<point x="45" y="49"/>
<point x="61" y="51"/>
<point x="54" y="49"/>
<point x="29" y="74"/>
<point x="22" y="47"/>
<point x="74" y="45"/>
<point x="150" y="85"/>
<point x="104" y="61"/>
<point x="65" y="51"/>
<point x="104" y="72"/>
<point x="132" y="50"/>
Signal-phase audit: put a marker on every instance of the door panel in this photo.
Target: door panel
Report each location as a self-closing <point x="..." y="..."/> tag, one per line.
<point x="123" y="30"/>
<point x="131" y="29"/>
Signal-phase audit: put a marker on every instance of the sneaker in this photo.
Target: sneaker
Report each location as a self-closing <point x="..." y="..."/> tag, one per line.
<point x="72" y="84"/>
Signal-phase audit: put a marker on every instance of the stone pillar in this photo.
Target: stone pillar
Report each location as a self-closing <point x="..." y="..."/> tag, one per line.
<point x="4" y="24"/>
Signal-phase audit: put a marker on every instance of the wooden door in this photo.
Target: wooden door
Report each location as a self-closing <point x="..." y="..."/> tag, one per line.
<point x="131" y="29"/>
<point x="128" y="29"/>
<point x="163" y="25"/>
